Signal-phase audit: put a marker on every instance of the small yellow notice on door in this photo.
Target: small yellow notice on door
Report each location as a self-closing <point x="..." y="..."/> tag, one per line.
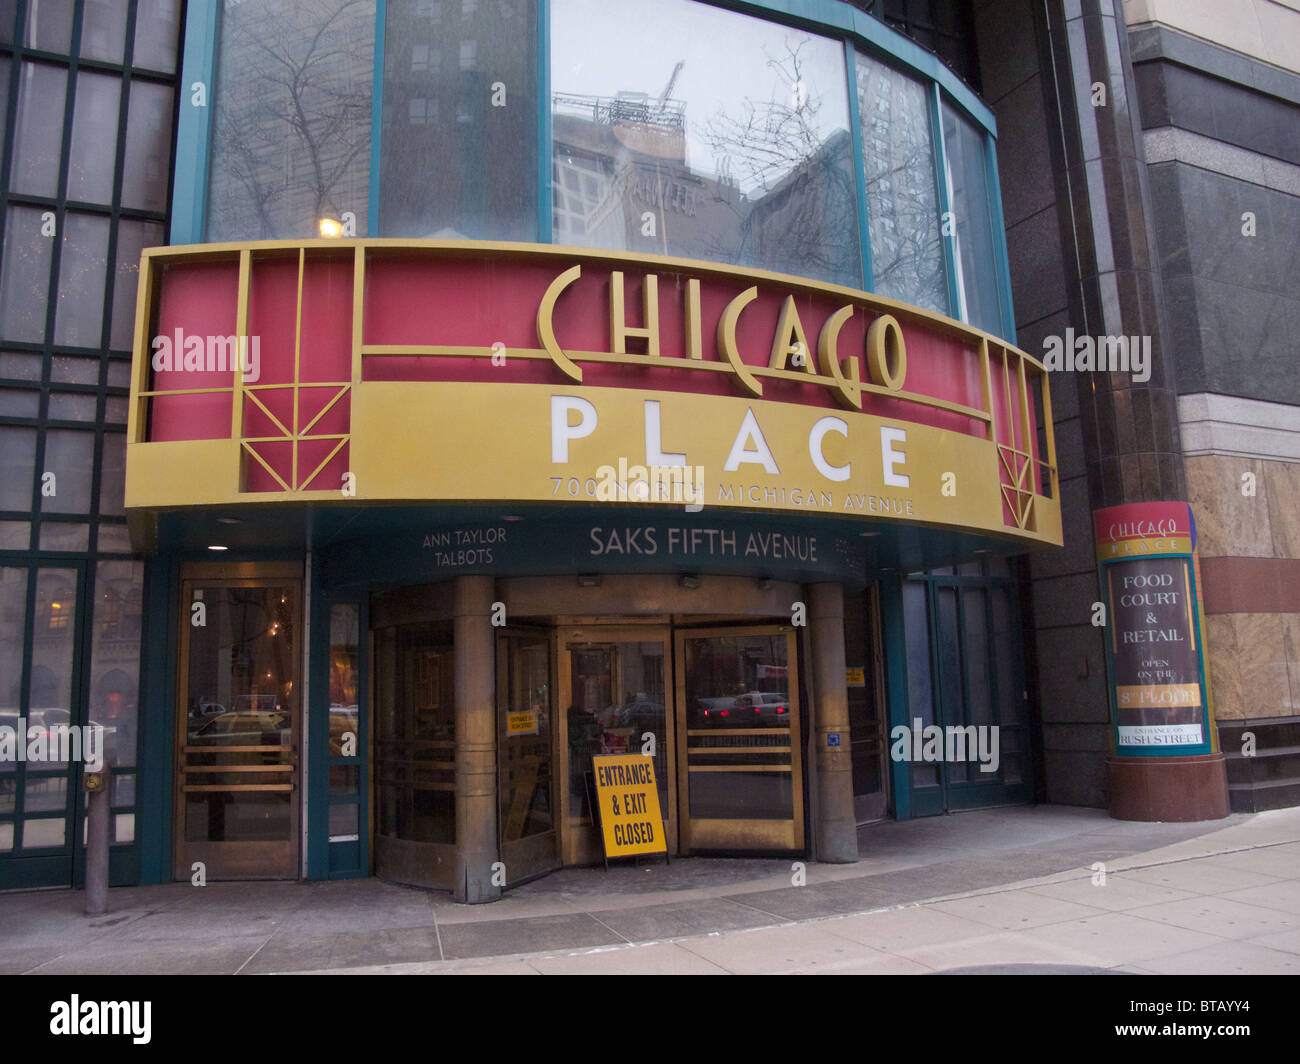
<point x="855" y="677"/>
<point x="630" y="820"/>
<point x="524" y="723"/>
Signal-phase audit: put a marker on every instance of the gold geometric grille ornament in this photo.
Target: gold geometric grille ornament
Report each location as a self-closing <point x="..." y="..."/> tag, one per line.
<point x="295" y="436"/>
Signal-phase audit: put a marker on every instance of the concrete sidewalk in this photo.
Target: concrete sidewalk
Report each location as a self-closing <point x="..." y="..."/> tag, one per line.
<point x="1010" y="889"/>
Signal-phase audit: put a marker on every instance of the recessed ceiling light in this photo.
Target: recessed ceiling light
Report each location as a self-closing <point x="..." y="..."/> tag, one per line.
<point x="216" y="546"/>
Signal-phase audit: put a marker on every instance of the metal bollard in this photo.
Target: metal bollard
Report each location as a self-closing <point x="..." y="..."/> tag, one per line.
<point x="96" y="784"/>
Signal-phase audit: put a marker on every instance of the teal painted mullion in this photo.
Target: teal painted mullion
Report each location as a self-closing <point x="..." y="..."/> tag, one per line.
<point x="949" y="242"/>
<point x="894" y="640"/>
<point x="376" y="118"/>
<point x="155" y="720"/>
<point x="194" y="125"/>
<point x="859" y="167"/>
<point x="1000" y="240"/>
<point x="545" y="210"/>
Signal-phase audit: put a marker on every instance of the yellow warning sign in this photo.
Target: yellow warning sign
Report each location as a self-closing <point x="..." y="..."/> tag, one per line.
<point x="855" y="677"/>
<point x="524" y="723"/>
<point x="628" y="797"/>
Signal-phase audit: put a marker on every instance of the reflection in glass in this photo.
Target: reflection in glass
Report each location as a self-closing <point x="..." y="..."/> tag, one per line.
<point x="17" y="467"/>
<point x="103" y="32"/>
<point x="115" y="658"/>
<point x="952" y="705"/>
<point x="345" y="623"/>
<point x="69" y="455"/>
<point x="63" y="535"/>
<point x="13" y="611"/>
<point x="291" y="126"/>
<point x="80" y="315"/>
<point x="902" y="196"/>
<point x="618" y="697"/>
<point x="38" y="130"/>
<point x="94" y="138"/>
<point x="976" y="653"/>
<point x="738" y="714"/>
<point x="112" y="473"/>
<point x="24" y="275"/>
<point x="964" y="145"/>
<point x="157" y="30"/>
<point x="525" y="738"/>
<point x="43" y="834"/>
<point x="49" y="26"/>
<point x="415" y="732"/>
<point x="53" y="641"/>
<point x="241" y="705"/>
<point x="148" y="146"/>
<point x="687" y="130"/>
<point x="72" y="406"/>
<point x="459" y="148"/>
<point x="45" y="794"/>
<point x="16" y="402"/>
<point x="132" y="238"/>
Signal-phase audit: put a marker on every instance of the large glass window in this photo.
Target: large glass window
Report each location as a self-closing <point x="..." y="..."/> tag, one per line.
<point x="291" y="129"/>
<point x="24" y="275"/>
<point x="415" y="733"/>
<point x="902" y="192"/>
<point x="38" y="129"/>
<point x="459" y="145"/>
<point x="686" y="130"/>
<point x="968" y="178"/>
<point x="94" y="138"/>
<point x="115" y="657"/>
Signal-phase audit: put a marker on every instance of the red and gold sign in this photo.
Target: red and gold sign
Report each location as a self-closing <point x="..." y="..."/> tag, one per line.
<point x="432" y="370"/>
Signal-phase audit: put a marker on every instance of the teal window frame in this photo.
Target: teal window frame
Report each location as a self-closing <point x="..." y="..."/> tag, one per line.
<point x="858" y="31"/>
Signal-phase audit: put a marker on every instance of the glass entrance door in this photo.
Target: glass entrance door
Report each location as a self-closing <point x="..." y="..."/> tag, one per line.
<point x="237" y="729"/>
<point x="613" y="690"/>
<point x="527" y="819"/>
<point x="740" y="768"/>
<point x="39" y="709"/>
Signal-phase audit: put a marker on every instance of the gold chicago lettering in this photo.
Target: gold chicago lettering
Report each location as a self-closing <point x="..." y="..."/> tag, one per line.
<point x="790" y="339"/>
<point x="546" y="327"/>
<point x="848" y="385"/>
<point x="727" y="340"/>
<point x="619" y="330"/>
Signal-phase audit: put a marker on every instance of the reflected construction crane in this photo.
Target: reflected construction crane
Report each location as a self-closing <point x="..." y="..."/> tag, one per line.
<point x="668" y="89"/>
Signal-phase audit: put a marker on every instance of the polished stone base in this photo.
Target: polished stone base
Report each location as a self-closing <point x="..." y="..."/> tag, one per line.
<point x="1168" y="789"/>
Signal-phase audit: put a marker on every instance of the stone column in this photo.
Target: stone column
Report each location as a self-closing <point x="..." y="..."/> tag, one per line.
<point x="835" y="830"/>
<point x="476" y="748"/>
<point x="1133" y="452"/>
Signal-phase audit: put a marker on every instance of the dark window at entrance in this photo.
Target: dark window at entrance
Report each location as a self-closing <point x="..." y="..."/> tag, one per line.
<point x="415" y="733"/>
<point x="738" y="715"/>
<point x="241" y="708"/>
<point x="618" y="698"/>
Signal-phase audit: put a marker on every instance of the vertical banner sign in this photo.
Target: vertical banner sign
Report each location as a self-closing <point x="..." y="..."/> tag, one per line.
<point x="1159" y="691"/>
<point x="628" y="799"/>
